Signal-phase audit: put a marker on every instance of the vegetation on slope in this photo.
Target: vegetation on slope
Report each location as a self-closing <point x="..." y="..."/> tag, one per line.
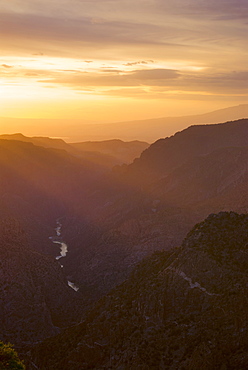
<point x="9" y="359"/>
<point x="184" y="309"/>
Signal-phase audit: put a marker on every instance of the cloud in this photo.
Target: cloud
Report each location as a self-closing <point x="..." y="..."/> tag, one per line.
<point x="212" y="83"/>
<point x="81" y="30"/>
<point x="23" y="72"/>
<point x="218" y="10"/>
<point x="31" y="74"/>
<point x="128" y="92"/>
<point x="111" y="70"/>
<point x="6" y="66"/>
<point x="158" y="83"/>
<point x="222" y="9"/>
<point x="168" y="30"/>
<point x="149" y="77"/>
<point x="80" y="37"/>
<point x="127" y="37"/>
<point x="162" y="94"/>
<point x="130" y="64"/>
<point x="228" y="82"/>
<point x="154" y="74"/>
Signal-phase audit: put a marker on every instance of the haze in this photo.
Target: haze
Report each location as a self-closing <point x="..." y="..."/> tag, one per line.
<point x="109" y="61"/>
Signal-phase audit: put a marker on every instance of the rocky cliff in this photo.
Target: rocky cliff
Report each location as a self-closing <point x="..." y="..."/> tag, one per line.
<point x="178" y="182"/>
<point x="183" y="309"/>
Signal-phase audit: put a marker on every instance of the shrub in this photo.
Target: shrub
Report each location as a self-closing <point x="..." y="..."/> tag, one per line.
<point x="9" y="359"/>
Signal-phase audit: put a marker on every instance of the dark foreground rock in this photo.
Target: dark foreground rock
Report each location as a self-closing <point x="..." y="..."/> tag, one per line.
<point x="180" y="309"/>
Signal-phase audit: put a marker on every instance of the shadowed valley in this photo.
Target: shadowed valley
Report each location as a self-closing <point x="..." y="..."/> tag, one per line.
<point x="123" y="211"/>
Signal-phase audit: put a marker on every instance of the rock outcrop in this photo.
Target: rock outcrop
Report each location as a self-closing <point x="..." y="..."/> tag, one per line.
<point x="182" y="309"/>
<point x="178" y="181"/>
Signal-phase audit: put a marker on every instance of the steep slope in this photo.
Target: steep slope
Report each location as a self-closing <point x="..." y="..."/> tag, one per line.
<point x="36" y="300"/>
<point x="214" y="180"/>
<point x="184" y="309"/>
<point x="167" y="154"/>
<point x="133" y="220"/>
<point x="111" y="225"/>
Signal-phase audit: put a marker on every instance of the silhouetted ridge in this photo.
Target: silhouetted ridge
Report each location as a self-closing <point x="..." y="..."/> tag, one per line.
<point x="147" y="129"/>
<point x="167" y="154"/>
<point x="106" y="153"/>
<point x="123" y="152"/>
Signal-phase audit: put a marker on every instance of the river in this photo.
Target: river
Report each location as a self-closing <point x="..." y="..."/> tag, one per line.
<point x="63" y="250"/>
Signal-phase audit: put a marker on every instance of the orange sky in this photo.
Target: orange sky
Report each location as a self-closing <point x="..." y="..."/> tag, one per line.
<point x="121" y="60"/>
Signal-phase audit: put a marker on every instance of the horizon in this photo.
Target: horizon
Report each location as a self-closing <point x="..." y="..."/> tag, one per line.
<point x="119" y="61"/>
<point x="76" y="130"/>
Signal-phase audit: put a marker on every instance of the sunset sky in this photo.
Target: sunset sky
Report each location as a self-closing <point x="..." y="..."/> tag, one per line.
<point x="123" y="59"/>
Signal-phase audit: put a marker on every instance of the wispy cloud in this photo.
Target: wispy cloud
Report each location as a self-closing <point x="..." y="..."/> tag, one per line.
<point x="218" y="10"/>
<point x="130" y="64"/>
<point x="148" y="77"/>
<point x="148" y="80"/>
<point x="6" y="66"/>
<point x="156" y="49"/>
<point x="83" y="30"/>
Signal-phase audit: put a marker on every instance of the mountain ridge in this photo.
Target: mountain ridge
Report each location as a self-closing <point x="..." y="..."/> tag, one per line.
<point x="110" y="223"/>
<point x="144" y="209"/>
<point x="183" y="309"/>
<point x="125" y="130"/>
<point x="106" y="153"/>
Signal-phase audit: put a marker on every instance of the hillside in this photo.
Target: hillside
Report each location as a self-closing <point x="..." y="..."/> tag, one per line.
<point x="36" y="300"/>
<point x="123" y="152"/>
<point x="111" y="222"/>
<point x="184" y="309"/>
<point x="140" y="210"/>
<point x="45" y="142"/>
<point x="167" y="154"/>
<point x="214" y="180"/>
<point x="106" y="154"/>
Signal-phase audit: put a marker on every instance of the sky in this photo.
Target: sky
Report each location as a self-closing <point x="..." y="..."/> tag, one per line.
<point x="118" y="60"/>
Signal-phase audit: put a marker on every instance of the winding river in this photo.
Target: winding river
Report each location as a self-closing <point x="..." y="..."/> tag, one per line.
<point x="63" y="250"/>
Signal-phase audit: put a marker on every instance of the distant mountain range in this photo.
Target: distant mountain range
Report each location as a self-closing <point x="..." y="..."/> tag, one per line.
<point x="122" y="152"/>
<point x="146" y="130"/>
<point x="106" y="153"/>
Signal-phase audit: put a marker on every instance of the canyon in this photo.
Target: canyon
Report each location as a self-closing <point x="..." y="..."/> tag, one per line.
<point x="124" y="251"/>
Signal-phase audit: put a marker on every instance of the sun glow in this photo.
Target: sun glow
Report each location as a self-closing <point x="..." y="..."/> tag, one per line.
<point x="49" y="87"/>
<point x="98" y="62"/>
